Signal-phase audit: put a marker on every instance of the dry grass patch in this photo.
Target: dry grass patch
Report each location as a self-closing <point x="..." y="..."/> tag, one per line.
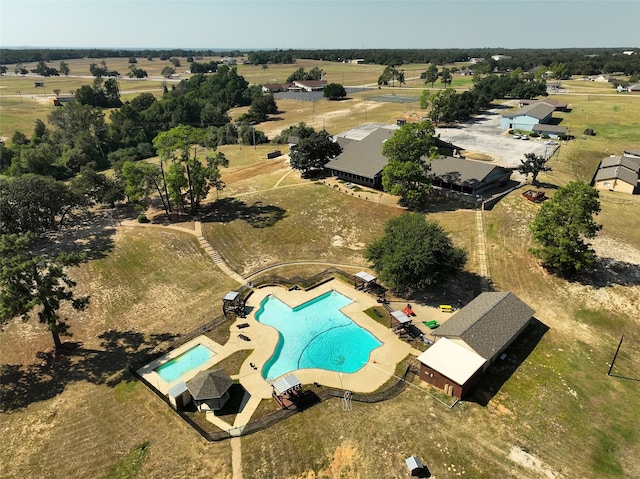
<point x="312" y="222"/>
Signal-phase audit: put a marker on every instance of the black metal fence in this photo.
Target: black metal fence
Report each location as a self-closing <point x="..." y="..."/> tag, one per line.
<point x="273" y="418"/>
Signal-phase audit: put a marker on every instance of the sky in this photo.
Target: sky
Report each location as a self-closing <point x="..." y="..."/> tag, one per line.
<point x="326" y="24"/>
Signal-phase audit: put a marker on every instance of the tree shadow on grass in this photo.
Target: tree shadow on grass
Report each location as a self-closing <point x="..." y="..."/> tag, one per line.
<point x="22" y="385"/>
<point x="457" y="291"/>
<point x="608" y="272"/>
<point x="90" y="234"/>
<point x="502" y="369"/>
<point x="256" y="215"/>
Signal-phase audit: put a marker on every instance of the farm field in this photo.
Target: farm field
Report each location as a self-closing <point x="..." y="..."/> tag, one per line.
<point x="551" y="411"/>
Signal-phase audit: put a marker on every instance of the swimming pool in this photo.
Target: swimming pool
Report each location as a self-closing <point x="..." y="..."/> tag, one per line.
<point x="190" y="359"/>
<point x="315" y="335"/>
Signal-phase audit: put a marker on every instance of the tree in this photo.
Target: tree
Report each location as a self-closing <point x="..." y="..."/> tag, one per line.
<point x="441" y="106"/>
<point x="409" y="180"/>
<point x="411" y="142"/>
<point x="414" y="253"/>
<point x="431" y="75"/>
<point x="533" y="164"/>
<point x="168" y="71"/>
<point x="561" y="227"/>
<point x="34" y="203"/>
<point x="29" y="281"/>
<point x="141" y="180"/>
<point x="334" y="91"/>
<point x="132" y="60"/>
<point x="64" y="68"/>
<point x="445" y="77"/>
<point x="407" y="173"/>
<point x="3" y="69"/>
<point x="262" y="106"/>
<point x="97" y="187"/>
<point x="186" y="172"/>
<point x="313" y="152"/>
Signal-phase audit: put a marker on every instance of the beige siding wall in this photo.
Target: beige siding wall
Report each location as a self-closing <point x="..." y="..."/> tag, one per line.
<point x="614" y="185"/>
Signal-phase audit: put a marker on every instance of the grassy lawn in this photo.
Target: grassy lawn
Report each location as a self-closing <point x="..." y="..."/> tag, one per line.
<point x="310" y="222"/>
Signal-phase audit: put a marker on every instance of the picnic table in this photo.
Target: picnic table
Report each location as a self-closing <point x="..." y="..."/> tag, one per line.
<point x="446" y="308"/>
<point x="433" y="324"/>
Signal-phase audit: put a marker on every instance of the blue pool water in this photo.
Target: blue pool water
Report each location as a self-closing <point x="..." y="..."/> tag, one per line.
<point x="315" y="335"/>
<point x="190" y="359"/>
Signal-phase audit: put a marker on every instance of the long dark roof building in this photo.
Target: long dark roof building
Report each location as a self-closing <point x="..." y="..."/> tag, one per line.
<point x="489" y="323"/>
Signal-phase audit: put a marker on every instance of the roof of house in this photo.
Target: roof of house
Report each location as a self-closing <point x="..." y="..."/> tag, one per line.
<point x="539" y="110"/>
<point x="626" y="161"/>
<point x="488" y="323"/>
<point x="459" y="171"/>
<point x="544" y="127"/>
<point x="209" y="384"/>
<point x="362" y="149"/>
<point x="618" y="173"/>
<point x="276" y="86"/>
<point x="310" y="83"/>
<point x="635" y="87"/>
<point x="363" y="156"/>
<point x="551" y="101"/>
<point x="632" y="153"/>
<point x="452" y="360"/>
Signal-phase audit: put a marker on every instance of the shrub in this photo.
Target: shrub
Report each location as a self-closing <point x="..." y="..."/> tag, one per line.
<point x="142" y="218"/>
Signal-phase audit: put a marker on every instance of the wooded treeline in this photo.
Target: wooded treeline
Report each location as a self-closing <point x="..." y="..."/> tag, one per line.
<point x="578" y="61"/>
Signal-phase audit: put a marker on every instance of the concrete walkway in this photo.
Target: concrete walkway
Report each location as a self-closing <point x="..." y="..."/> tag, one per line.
<point x="483" y="260"/>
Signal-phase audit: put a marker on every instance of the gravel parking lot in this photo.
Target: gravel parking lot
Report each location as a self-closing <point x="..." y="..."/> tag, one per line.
<point x="483" y="134"/>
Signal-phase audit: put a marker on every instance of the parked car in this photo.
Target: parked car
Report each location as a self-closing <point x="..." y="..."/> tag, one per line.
<point x="524" y="137"/>
<point x="550" y="142"/>
<point x="516" y="137"/>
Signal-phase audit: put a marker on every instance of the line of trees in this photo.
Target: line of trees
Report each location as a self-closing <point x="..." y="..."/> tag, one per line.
<point x="568" y="61"/>
<point x="448" y="106"/>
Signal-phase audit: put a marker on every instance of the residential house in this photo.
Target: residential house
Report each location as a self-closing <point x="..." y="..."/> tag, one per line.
<point x="309" y="85"/>
<point x="558" y="105"/>
<point x="634" y="89"/>
<point x="473" y="339"/>
<point x="552" y="131"/>
<point x="275" y="87"/>
<point x="604" y="78"/>
<point x="526" y="117"/>
<point x="618" y="173"/>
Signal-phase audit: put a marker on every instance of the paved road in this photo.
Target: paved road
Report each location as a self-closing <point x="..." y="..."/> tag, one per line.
<point x="484" y="135"/>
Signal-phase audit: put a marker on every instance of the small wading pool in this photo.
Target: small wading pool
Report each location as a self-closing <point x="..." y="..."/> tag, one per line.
<point x="315" y="334"/>
<point x="190" y="359"/>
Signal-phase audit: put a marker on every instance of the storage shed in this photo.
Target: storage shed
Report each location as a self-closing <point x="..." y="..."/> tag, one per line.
<point x="416" y="468"/>
<point x="179" y="395"/>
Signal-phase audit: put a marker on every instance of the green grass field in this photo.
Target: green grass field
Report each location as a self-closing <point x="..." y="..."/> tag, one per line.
<point x="87" y="417"/>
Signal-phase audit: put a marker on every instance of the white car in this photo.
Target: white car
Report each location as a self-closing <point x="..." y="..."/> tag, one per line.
<point x="516" y="137"/>
<point x="550" y="142"/>
<point x="524" y="137"/>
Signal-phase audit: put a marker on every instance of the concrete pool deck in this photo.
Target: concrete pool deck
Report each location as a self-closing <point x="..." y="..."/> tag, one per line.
<point x="264" y="339"/>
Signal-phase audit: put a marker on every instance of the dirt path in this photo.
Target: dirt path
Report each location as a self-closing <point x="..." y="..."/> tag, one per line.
<point x="236" y="457"/>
